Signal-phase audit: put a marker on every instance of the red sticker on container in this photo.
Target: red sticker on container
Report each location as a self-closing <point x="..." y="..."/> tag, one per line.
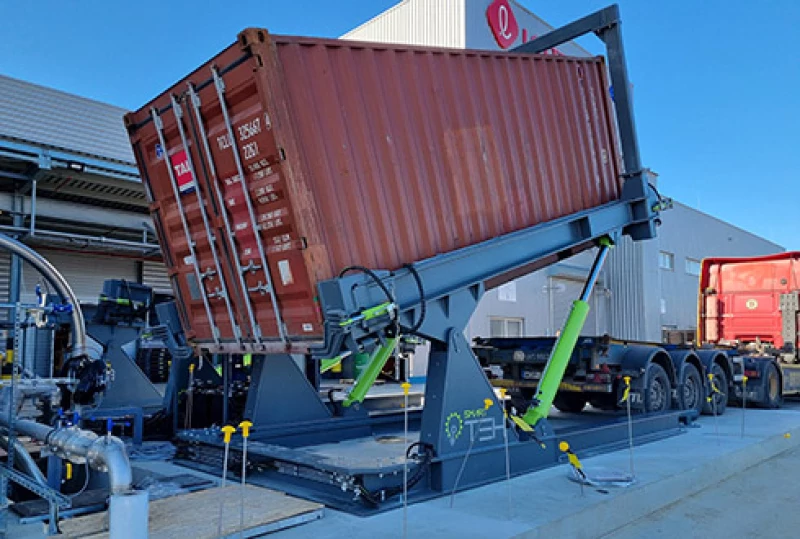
<point x="503" y="23"/>
<point x="183" y="172"/>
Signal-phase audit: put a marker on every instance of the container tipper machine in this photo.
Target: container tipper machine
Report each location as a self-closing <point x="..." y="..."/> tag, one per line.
<point x="194" y="147"/>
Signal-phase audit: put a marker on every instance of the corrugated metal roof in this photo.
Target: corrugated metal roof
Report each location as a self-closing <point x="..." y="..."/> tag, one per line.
<point x="55" y="119"/>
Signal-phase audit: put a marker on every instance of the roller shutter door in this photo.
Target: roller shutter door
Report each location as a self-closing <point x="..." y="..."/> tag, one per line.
<point x="84" y="272"/>
<point x="563" y="292"/>
<point x="5" y="281"/>
<point x="154" y="275"/>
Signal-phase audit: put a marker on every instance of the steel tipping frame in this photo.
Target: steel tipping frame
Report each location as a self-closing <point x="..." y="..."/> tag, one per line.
<point x="462" y="421"/>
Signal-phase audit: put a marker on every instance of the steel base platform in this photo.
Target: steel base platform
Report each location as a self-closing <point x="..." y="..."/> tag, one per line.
<point x="333" y="473"/>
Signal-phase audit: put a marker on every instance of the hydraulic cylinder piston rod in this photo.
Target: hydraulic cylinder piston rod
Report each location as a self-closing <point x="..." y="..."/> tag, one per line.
<point x="565" y="344"/>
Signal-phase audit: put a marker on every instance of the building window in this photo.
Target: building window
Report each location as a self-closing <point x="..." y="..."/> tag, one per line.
<point x="507" y="292"/>
<point x="693" y="267"/>
<point x="666" y="260"/>
<point x="506" y="327"/>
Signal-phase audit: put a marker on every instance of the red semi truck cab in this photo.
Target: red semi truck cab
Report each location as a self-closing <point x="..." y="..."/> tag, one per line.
<point x="750" y="300"/>
<point x="752" y="304"/>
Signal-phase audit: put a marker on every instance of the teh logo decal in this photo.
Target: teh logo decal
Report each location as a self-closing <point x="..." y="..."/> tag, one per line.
<point x="503" y="23"/>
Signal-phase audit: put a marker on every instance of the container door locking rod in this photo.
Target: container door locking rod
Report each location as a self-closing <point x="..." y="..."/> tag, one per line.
<point x="565" y="344"/>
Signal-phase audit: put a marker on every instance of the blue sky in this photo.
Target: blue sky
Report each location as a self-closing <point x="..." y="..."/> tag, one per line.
<point x="717" y="83"/>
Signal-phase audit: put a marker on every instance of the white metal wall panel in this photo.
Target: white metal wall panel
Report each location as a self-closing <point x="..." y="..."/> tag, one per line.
<point x="154" y="275"/>
<point x="416" y="22"/>
<point x="84" y="272"/>
<point x="40" y="115"/>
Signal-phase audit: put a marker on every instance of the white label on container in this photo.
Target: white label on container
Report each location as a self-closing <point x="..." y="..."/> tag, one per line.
<point x="189" y="260"/>
<point x="308" y="327"/>
<point x="286" y="272"/>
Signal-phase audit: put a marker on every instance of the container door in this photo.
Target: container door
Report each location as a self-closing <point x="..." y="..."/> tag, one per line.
<point x="247" y="171"/>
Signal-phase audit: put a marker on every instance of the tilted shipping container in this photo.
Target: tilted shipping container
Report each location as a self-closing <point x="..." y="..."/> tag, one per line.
<point x="356" y="154"/>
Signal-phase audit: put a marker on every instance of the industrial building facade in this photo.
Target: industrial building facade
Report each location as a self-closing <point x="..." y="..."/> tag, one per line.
<point x="69" y="187"/>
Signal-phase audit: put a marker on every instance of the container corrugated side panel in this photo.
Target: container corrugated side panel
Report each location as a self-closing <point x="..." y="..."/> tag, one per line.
<point x="371" y="155"/>
<point x="414" y="152"/>
<point x="40" y="115"/>
<point x="416" y="22"/>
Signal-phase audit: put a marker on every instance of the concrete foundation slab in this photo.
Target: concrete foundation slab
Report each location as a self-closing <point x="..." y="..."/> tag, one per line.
<point x="548" y="504"/>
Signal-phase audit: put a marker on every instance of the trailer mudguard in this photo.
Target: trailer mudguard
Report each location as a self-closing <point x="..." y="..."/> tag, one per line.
<point x="636" y="359"/>
<point x="709" y="357"/>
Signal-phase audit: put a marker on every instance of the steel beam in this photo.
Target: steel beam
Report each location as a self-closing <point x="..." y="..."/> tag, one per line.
<point x="607" y="25"/>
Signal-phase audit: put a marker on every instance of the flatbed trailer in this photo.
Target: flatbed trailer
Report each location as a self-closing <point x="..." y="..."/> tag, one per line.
<point x="748" y="319"/>
<point x="660" y="377"/>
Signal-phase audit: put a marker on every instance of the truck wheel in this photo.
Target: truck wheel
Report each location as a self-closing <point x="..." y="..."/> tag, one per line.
<point x="571" y="403"/>
<point x="691" y="392"/>
<point x="657" y="392"/>
<point x="719" y="401"/>
<point x="773" y="396"/>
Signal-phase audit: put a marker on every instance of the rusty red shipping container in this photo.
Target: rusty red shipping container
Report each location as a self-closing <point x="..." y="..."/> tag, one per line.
<point x="357" y="154"/>
<point x="741" y="298"/>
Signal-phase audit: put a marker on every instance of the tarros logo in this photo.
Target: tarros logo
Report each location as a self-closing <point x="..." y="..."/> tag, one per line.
<point x="503" y="23"/>
<point x="182" y="172"/>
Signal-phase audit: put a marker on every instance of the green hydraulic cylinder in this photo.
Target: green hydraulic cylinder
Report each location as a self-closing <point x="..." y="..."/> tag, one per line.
<point x="565" y="344"/>
<point x="370" y="373"/>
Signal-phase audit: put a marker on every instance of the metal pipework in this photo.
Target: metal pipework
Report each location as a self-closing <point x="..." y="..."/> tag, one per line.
<point x="103" y="453"/>
<point x="49" y="272"/>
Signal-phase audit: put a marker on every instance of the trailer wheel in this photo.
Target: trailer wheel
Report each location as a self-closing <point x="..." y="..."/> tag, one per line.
<point x="773" y="396"/>
<point x="691" y="392"/>
<point x="719" y="401"/>
<point x="658" y="392"/>
<point x="571" y="403"/>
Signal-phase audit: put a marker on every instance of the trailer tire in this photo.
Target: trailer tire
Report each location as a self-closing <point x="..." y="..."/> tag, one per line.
<point x="657" y="389"/>
<point x="719" y="400"/>
<point x="571" y="403"/>
<point x="691" y="390"/>
<point x="773" y="396"/>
